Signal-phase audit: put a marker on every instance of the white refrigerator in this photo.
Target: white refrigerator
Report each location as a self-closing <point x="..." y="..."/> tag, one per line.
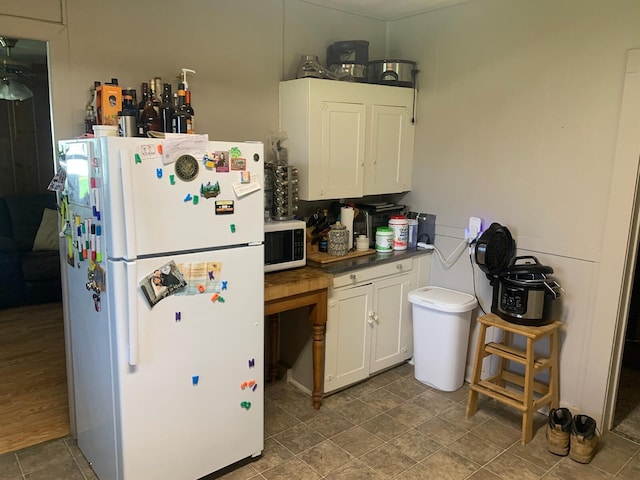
<point x="164" y="253"/>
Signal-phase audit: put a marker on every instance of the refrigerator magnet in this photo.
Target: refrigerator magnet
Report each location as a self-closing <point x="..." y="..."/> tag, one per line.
<point x="221" y="160"/>
<point x="208" y="162"/>
<point x="186" y="168"/>
<point x="210" y="191"/>
<point x="224" y="207"/>
<point x="245" y="177"/>
<point x="238" y="163"/>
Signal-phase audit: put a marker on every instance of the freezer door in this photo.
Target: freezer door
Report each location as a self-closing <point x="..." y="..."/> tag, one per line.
<point x="194" y="202"/>
<point x="192" y="403"/>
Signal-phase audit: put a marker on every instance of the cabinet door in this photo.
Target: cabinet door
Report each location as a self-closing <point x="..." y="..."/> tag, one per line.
<point x="392" y="336"/>
<point x="389" y="150"/>
<point x="348" y="336"/>
<point x="341" y="140"/>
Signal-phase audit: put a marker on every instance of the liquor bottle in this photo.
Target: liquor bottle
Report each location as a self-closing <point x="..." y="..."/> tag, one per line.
<point x="153" y="93"/>
<point x="144" y="94"/>
<point x="149" y="119"/>
<point x="89" y="119"/>
<point x="189" y="109"/>
<point x="181" y="118"/>
<point x="166" y="109"/>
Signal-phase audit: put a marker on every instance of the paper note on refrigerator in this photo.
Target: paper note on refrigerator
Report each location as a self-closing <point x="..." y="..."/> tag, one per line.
<point x="176" y="144"/>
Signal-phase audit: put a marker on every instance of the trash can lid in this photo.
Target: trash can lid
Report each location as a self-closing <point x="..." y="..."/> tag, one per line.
<point x="443" y="299"/>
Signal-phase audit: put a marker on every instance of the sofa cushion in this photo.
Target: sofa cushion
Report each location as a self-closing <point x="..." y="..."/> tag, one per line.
<point x="42" y="265"/>
<point x="26" y="213"/>
<point x="47" y="236"/>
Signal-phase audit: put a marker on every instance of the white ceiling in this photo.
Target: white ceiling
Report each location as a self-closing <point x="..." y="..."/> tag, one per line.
<point x="385" y="9"/>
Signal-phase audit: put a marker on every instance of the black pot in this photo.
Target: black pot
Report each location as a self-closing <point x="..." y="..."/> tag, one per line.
<point x="525" y="291"/>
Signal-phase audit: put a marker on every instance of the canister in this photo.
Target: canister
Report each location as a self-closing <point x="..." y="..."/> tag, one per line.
<point x="412" y="241"/>
<point x="338" y="240"/>
<point x="400" y="228"/>
<point x="362" y="243"/>
<point x="384" y="239"/>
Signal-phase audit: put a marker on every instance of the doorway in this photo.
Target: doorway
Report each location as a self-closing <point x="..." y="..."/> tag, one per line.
<point x="626" y="419"/>
<point x="33" y="379"/>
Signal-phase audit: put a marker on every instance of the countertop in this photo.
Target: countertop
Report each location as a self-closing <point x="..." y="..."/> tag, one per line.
<point x="287" y="283"/>
<point x="368" y="261"/>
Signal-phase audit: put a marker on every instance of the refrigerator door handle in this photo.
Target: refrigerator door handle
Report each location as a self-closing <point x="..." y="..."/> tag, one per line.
<point x="129" y="214"/>
<point x="132" y="315"/>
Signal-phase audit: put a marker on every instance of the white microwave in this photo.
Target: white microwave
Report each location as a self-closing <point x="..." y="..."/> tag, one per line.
<point x="285" y="245"/>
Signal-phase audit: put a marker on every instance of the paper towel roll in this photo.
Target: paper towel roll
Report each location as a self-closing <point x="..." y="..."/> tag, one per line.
<point x="346" y="218"/>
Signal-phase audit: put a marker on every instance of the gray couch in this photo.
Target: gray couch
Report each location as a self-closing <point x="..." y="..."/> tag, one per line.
<point x="27" y="277"/>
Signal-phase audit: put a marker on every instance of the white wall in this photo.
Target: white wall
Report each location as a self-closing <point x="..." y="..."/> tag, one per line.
<point x="518" y="117"/>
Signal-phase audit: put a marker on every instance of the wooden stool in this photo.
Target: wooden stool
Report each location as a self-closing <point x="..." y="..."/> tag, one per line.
<point x="495" y="387"/>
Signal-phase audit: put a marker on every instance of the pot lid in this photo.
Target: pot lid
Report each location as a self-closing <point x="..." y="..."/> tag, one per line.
<point x="527" y="267"/>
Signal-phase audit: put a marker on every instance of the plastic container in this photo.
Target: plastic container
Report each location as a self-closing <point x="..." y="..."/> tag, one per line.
<point x="105" y="130"/>
<point x="362" y="243"/>
<point x="441" y="321"/>
<point x="384" y="239"/>
<point x="412" y="241"/>
<point x="398" y="224"/>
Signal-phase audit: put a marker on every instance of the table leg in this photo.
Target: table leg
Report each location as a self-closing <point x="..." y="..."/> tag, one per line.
<point x="318" y="318"/>
<point x="274" y="321"/>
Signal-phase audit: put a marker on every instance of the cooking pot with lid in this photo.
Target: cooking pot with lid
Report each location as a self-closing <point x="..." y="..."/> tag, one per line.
<point x="525" y="292"/>
<point x="398" y="73"/>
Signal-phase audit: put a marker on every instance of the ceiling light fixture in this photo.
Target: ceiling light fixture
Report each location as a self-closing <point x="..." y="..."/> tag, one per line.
<point x="11" y="89"/>
<point x="14" y="90"/>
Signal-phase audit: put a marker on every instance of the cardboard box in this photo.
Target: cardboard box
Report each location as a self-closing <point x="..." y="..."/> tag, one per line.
<point x="108" y="104"/>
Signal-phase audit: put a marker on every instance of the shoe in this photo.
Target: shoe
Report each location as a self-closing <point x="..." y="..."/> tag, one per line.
<point x="584" y="438"/>
<point x="559" y="431"/>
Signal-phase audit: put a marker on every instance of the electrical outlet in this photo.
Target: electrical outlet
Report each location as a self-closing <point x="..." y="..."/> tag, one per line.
<point x="475" y="226"/>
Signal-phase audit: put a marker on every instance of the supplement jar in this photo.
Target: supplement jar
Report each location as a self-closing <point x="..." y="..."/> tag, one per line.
<point x="400" y="229"/>
<point x="384" y="240"/>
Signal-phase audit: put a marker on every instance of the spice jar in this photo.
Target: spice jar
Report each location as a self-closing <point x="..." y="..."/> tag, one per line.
<point x="338" y="240"/>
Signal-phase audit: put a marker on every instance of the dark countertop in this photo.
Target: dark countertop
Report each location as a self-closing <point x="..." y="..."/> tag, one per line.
<point x="357" y="263"/>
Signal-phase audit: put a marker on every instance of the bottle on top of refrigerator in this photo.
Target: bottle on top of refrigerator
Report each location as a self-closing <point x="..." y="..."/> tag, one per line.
<point x="149" y="119"/>
<point x="181" y="117"/>
<point x="167" y="109"/>
<point x="189" y="109"/>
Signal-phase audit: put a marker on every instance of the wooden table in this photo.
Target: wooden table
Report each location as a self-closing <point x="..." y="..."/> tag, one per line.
<point x="290" y="289"/>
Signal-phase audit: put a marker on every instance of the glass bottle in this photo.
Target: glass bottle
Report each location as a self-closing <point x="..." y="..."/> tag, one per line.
<point x="189" y="109"/>
<point x="153" y="94"/>
<point x="149" y="120"/>
<point x="89" y="119"/>
<point x="144" y="89"/>
<point x="166" y="109"/>
<point x="181" y="118"/>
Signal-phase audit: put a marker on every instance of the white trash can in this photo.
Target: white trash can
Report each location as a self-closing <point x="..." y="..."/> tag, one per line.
<point x="441" y="321"/>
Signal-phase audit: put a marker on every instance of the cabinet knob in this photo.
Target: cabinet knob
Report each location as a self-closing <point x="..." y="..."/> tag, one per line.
<point x="332" y="303"/>
<point x="353" y="277"/>
<point x="370" y="321"/>
<point x="399" y="266"/>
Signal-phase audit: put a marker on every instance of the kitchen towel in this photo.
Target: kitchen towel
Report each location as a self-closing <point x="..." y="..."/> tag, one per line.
<point x="346" y="218"/>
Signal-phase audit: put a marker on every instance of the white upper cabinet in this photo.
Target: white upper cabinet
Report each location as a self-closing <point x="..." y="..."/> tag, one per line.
<point x="348" y="139"/>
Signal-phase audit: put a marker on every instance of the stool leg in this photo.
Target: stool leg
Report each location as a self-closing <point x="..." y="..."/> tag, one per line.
<point x="503" y="363"/>
<point x="472" y="402"/>
<point x="527" y="415"/>
<point x="554" y="373"/>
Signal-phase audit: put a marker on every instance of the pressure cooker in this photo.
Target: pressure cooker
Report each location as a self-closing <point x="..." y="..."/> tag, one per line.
<point x="526" y="291"/>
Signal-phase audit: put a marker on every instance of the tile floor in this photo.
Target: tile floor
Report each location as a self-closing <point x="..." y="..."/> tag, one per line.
<point x="390" y="426"/>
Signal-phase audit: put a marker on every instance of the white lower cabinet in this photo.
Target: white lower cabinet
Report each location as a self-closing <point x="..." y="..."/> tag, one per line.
<point x="369" y="323"/>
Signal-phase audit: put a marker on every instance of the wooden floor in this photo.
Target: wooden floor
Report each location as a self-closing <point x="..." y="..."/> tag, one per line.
<point x="33" y="382"/>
